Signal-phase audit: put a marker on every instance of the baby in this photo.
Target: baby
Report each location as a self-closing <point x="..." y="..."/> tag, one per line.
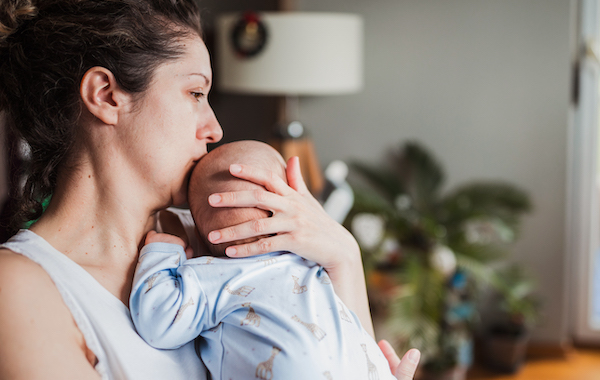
<point x="272" y="316"/>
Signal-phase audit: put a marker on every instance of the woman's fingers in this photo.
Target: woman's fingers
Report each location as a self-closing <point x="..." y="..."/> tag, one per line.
<point x="307" y="229"/>
<point x="266" y="178"/>
<point x="252" y="228"/>
<point x="390" y="354"/>
<point x="294" y="176"/>
<point x="408" y="365"/>
<point x="298" y="221"/>
<point x="247" y="198"/>
<point x="403" y="369"/>
<point x="296" y="181"/>
<point x="264" y="245"/>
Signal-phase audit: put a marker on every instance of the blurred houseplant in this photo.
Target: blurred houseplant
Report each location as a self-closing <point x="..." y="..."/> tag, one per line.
<point x="517" y="311"/>
<point x="427" y="255"/>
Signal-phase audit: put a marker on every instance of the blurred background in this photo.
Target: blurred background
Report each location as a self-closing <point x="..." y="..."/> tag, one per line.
<point x="493" y="90"/>
<point x="486" y="85"/>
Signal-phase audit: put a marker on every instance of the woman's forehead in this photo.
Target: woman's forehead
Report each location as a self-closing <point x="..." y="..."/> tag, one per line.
<point x="193" y="63"/>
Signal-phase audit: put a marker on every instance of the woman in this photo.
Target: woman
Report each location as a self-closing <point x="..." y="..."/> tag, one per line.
<point x="112" y="97"/>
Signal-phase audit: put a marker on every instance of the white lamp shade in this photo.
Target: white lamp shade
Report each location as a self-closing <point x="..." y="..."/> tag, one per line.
<point x="305" y="54"/>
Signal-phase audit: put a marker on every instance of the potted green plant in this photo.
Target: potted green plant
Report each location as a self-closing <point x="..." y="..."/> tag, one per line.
<point x="518" y="311"/>
<point x="427" y="255"/>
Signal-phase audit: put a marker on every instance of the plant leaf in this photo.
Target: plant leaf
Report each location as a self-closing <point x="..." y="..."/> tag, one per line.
<point x="420" y="174"/>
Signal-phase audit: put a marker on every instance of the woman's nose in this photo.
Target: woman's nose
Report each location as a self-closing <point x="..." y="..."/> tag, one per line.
<point x="211" y="130"/>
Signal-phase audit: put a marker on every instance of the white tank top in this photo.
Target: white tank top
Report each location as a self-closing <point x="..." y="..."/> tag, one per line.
<point x="105" y="321"/>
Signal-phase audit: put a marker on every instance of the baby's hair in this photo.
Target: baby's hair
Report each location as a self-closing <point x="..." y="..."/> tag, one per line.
<point x="47" y="46"/>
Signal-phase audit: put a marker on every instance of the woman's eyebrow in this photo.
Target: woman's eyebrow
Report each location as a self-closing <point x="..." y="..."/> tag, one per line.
<point x="206" y="79"/>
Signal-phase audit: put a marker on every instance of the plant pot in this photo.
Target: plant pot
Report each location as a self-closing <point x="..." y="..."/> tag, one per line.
<point x="506" y="349"/>
<point x="454" y="373"/>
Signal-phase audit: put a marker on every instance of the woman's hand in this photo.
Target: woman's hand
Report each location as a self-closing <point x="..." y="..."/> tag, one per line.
<point x="403" y="369"/>
<point x="298" y="224"/>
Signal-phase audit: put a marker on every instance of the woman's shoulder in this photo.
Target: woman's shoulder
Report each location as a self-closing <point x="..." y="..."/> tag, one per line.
<point x="27" y="288"/>
<point x="33" y="313"/>
<point x="15" y="268"/>
<point x="22" y="279"/>
<point x="23" y="283"/>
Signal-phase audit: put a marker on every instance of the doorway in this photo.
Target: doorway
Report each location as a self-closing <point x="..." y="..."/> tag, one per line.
<point x="583" y="188"/>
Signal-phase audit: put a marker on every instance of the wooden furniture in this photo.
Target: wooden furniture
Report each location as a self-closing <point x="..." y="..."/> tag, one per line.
<point x="302" y="147"/>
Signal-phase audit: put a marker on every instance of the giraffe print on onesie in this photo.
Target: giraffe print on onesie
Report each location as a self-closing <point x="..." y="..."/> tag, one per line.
<point x="270" y="317"/>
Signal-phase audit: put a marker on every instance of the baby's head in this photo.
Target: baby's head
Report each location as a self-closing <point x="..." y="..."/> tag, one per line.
<point x="211" y="175"/>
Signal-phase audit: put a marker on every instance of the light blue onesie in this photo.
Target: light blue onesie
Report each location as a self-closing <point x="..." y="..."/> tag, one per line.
<point x="272" y="317"/>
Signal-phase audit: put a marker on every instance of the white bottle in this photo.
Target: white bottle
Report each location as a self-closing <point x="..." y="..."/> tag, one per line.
<point x="339" y="200"/>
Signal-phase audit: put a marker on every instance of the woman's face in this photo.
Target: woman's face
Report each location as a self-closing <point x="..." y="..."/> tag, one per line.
<point x="172" y="123"/>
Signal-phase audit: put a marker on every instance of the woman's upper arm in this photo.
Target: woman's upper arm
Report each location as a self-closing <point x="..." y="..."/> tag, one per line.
<point x="38" y="336"/>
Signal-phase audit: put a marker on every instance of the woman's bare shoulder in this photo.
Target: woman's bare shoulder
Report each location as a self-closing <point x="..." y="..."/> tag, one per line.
<point x="38" y="336"/>
<point x="20" y="275"/>
<point x="17" y="269"/>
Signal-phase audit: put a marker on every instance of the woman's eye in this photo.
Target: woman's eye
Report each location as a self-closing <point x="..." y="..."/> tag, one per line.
<point x="198" y="95"/>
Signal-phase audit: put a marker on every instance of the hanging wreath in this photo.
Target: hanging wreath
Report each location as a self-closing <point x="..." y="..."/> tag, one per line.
<point x="249" y="35"/>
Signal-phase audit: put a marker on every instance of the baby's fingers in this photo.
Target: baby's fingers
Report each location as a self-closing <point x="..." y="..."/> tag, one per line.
<point x="155" y="237"/>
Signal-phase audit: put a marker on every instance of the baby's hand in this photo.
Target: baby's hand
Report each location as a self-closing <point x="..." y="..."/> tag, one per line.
<point x="155" y="237"/>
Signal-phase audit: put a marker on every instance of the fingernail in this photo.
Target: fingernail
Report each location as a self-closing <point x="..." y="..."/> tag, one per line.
<point x="214" y="236"/>
<point x="230" y="251"/>
<point x="214" y="199"/>
<point x="414" y="356"/>
<point x="235" y="168"/>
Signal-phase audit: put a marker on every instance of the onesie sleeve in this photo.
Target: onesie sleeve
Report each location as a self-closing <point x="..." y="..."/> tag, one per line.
<point x="167" y="302"/>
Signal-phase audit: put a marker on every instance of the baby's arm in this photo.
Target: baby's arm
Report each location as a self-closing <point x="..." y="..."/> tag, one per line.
<point x="167" y="302"/>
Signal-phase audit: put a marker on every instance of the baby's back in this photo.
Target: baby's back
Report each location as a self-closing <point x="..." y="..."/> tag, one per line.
<point x="276" y="316"/>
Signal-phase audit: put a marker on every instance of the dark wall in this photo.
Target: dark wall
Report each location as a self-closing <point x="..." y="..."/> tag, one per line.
<point x="241" y="116"/>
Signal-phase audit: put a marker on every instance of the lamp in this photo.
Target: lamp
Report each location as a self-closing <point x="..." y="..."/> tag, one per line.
<point x="291" y="54"/>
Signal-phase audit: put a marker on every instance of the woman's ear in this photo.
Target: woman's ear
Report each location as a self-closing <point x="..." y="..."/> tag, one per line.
<point x="101" y="94"/>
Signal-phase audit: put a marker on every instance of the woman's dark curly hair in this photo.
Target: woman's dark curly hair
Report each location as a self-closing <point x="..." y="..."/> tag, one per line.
<point x="46" y="46"/>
